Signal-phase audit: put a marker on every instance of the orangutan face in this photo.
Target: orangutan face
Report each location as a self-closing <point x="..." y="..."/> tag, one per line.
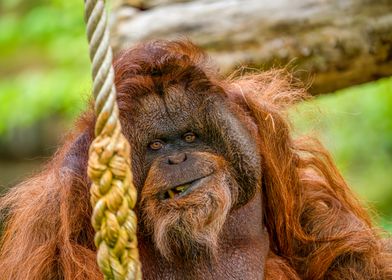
<point x="194" y="160"/>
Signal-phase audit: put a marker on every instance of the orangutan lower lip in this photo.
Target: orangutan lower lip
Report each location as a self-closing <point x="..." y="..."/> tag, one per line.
<point x="181" y="190"/>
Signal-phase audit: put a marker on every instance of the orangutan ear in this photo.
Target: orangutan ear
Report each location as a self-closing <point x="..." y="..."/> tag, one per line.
<point x="76" y="154"/>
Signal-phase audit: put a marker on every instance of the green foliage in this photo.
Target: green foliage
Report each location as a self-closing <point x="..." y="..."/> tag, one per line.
<point x="45" y="57"/>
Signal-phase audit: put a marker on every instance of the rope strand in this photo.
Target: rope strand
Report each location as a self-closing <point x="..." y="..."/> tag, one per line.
<point x="113" y="194"/>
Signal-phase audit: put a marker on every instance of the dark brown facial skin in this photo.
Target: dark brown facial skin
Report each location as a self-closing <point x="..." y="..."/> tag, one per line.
<point x="185" y="234"/>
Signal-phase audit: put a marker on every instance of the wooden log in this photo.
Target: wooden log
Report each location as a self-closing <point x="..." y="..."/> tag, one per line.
<point x="331" y="44"/>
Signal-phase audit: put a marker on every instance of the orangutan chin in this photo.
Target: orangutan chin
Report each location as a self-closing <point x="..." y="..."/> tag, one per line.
<point x="225" y="192"/>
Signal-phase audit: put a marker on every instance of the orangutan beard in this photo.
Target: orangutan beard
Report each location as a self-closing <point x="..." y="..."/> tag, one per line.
<point x="187" y="229"/>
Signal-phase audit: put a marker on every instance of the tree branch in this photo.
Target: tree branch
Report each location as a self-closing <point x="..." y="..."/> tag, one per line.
<point x="332" y="44"/>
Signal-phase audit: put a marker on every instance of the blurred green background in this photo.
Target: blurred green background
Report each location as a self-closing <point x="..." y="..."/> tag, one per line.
<point x="45" y="81"/>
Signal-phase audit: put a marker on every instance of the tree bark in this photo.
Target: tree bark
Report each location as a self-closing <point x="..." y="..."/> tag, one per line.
<point x="331" y="44"/>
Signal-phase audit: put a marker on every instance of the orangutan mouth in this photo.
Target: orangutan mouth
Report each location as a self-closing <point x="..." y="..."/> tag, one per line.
<point x="176" y="192"/>
<point x="182" y="190"/>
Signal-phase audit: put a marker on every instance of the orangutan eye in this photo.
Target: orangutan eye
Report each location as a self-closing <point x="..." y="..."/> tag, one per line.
<point x="189" y="137"/>
<point x="156" y="145"/>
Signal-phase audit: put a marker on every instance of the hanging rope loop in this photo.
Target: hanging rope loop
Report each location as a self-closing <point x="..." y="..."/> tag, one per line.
<point x="113" y="194"/>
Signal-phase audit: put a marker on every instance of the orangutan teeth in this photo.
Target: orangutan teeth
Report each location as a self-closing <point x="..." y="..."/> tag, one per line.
<point x="180" y="188"/>
<point x="172" y="193"/>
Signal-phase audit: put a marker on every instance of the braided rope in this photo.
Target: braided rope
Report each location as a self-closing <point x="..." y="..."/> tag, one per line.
<point x="113" y="194"/>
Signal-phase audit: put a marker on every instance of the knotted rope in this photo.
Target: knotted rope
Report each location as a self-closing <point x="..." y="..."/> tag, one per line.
<point x="113" y="194"/>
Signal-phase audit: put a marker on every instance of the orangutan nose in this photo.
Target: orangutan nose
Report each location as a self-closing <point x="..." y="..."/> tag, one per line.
<point x="177" y="158"/>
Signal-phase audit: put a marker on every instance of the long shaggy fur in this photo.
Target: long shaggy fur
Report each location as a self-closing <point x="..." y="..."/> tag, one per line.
<point x="314" y="220"/>
<point x="317" y="228"/>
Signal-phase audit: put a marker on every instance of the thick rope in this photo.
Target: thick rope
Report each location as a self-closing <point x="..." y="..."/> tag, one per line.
<point x="113" y="194"/>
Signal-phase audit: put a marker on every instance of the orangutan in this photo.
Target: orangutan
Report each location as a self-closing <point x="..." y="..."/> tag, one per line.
<point x="224" y="191"/>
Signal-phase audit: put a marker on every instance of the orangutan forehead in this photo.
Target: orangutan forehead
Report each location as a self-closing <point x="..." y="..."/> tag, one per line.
<point x="174" y="111"/>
